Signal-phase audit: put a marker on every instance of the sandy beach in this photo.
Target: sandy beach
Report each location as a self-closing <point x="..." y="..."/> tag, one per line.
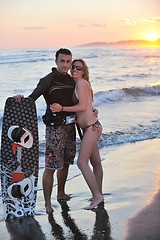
<point x="131" y="209"/>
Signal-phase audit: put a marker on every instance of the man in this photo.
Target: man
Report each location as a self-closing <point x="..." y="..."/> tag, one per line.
<point x="57" y="87"/>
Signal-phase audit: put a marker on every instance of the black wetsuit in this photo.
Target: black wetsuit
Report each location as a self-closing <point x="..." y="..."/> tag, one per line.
<point x="55" y="88"/>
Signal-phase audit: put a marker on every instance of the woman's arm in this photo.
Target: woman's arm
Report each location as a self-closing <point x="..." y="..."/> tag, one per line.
<point x="83" y="94"/>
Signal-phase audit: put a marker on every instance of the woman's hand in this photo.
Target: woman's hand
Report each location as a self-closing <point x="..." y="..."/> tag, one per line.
<point x="56" y="107"/>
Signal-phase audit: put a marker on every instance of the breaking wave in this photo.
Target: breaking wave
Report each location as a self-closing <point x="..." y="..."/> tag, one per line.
<point x="126" y="94"/>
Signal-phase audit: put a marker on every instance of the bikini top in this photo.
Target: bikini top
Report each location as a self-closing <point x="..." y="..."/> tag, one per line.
<point x="75" y="97"/>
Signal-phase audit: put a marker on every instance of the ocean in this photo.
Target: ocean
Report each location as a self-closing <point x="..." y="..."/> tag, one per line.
<point x="125" y="81"/>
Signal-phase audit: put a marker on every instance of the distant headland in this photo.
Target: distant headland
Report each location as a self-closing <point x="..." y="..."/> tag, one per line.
<point x="137" y="43"/>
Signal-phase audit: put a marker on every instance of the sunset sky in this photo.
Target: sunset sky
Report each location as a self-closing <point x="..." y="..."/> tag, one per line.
<point x="66" y="23"/>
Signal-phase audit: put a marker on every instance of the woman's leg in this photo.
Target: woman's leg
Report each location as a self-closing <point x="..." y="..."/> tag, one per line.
<point x="88" y="145"/>
<point x="97" y="167"/>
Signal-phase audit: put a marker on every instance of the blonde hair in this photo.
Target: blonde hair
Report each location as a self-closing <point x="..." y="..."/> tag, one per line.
<point x="85" y="71"/>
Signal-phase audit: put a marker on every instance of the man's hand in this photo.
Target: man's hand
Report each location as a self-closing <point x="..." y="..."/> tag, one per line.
<point x="18" y="98"/>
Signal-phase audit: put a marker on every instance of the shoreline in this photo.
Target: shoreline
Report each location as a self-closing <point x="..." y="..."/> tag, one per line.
<point x="145" y="225"/>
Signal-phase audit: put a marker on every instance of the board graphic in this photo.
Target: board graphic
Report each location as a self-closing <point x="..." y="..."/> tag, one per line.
<point x="19" y="158"/>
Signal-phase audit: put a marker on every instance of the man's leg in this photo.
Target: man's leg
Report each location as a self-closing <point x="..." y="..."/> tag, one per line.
<point x="69" y="152"/>
<point x="62" y="175"/>
<point x="47" y="183"/>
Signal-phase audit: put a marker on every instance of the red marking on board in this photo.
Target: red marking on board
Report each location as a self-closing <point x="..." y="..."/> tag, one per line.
<point x="15" y="146"/>
<point x="17" y="176"/>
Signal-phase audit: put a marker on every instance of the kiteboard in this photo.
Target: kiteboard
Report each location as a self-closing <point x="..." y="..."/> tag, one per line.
<point x="19" y="158"/>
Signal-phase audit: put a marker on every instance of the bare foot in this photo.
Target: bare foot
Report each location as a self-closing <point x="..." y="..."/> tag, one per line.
<point x="95" y="202"/>
<point x="63" y="196"/>
<point x="49" y="209"/>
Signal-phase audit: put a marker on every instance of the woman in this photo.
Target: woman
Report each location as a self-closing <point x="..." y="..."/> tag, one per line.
<point x="92" y="129"/>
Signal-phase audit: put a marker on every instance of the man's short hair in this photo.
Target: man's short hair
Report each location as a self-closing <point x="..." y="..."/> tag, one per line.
<point x="63" y="51"/>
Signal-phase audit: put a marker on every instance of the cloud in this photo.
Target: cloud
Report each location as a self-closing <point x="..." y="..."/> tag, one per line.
<point x="83" y="25"/>
<point x="151" y="19"/>
<point x="98" y="25"/>
<point x="3" y="14"/>
<point x="34" y="28"/>
<point x="127" y="21"/>
<point x="122" y="23"/>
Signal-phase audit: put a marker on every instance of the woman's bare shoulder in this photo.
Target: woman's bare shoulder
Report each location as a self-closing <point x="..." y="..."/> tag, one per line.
<point x="82" y="83"/>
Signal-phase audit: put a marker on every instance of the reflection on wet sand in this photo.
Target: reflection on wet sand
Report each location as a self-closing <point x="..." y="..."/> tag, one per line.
<point x="101" y="228"/>
<point x="24" y="228"/>
<point x="56" y="230"/>
<point x="68" y="221"/>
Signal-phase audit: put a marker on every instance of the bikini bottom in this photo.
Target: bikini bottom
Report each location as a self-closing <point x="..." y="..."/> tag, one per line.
<point x="94" y="126"/>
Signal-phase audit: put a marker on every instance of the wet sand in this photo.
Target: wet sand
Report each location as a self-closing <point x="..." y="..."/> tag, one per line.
<point x="131" y="209"/>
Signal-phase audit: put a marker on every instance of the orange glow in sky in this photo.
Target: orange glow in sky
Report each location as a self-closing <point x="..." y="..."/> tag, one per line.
<point x="66" y="23"/>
